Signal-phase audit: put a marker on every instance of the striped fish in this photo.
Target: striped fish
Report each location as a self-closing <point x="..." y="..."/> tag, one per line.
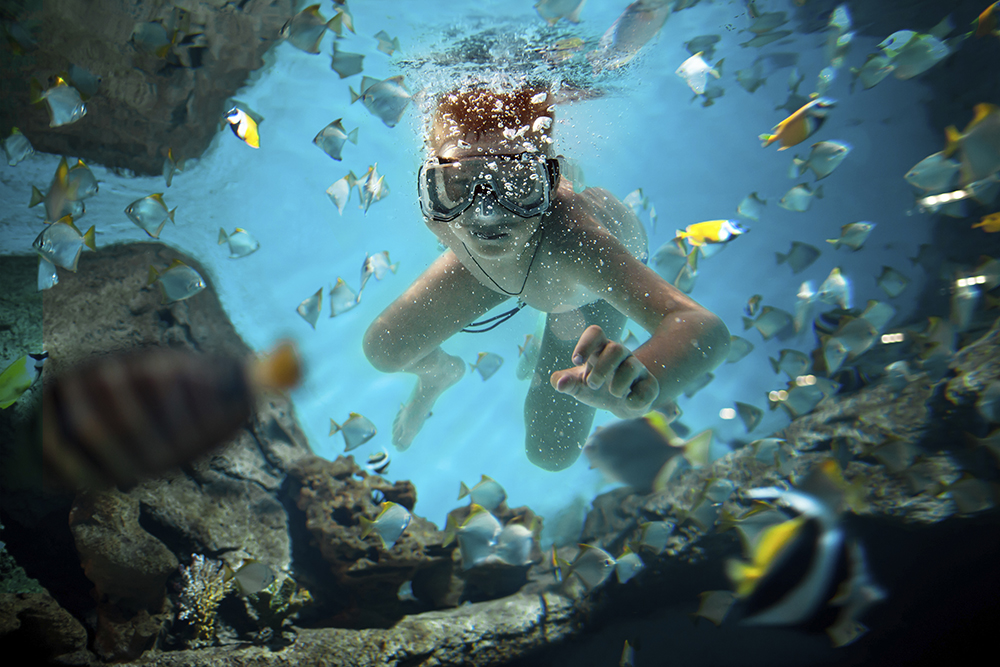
<point x="123" y="417"/>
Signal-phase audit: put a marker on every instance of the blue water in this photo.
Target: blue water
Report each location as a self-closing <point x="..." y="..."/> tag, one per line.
<point x="694" y="163"/>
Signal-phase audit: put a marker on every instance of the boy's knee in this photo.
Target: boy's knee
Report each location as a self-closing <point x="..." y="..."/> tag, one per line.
<point x="379" y="351"/>
<point x="553" y="456"/>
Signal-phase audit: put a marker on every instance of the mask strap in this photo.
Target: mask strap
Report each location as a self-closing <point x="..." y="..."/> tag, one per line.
<point x="497" y="320"/>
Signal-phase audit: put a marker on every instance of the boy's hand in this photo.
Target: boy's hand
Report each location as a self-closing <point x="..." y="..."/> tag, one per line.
<point x="607" y="376"/>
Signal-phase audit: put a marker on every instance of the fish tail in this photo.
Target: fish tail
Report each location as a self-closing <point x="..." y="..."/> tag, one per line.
<point x="353" y="136"/>
<point x="696" y="450"/>
<point x="223" y="237"/>
<point x="952" y="139"/>
<point x="747" y="323"/>
<point x="153" y="275"/>
<point x="354" y="96"/>
<point x="279" y="369"/>
<point x="774" y="364"/>
<point x="88" y="238"/>
<point x="463" y="490"/>
<point x="781" y="258"/>
<point x="367" y="526"/>
<point x="767" y="139"/>
<point x="171" y="214"/>
<point x="36" y="197"/>
<point x="334" y="426"/>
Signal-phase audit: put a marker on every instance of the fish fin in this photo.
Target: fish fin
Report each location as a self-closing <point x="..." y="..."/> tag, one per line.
<point x="223" y="237"/>
<point x="354" y="96"/>
<point x="696" y="449"/>
<point x="353" y="136"/>
<point x="835" y="242"/>
<point x="334" y="426"/>
<point x="278" y="369"/>
<point x="450" y="531"/>
<point x="463" y="490"/>
<point x="159" y="229"/>
<point x="952" y="139"/>
<point x="88" y="238"/>
<point x="36" y="197"/>
<point x="153" y="275"/>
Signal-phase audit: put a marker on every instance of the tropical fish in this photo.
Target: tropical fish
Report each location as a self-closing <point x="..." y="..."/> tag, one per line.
<point x="152" y="37"/>
<point x="989" y="223"/>
<point x="378" y="462"/>
<point x="655" y="535"/>
<point x="305" y="30"/>
<point x="878" y="314"/>
<point x="715" y="605"/>
<point x="853" y="235"/>
<point x="799" y="257"/>
<point x="514" y="544"/>
<point x="340" y="191"/>
<point x="877" y="67"/>
<point x="357" y="430"/>
<point x="346" y="64"/>
<point x="986" y="23"/>
<point x="241" y="243"/>
<point x="628" y="565"/>
<point x="638" y="24"/>
<point x="835" y="289"/>
<point x="553" y="10"/>
<point x="171" y="167"/>
<point x="486" y="493"/>
<point x="386" y="99"/>
<point x="800" y="125"/>
<point x="96" y="427"/>
<point x="342" y="298"/>
<point x="390" y="523"/>
<point x="333" y="137"/>
<point x="805" y="568"/>
<point x="695" y="72"/>
<point x="711" y="231"/>
<point x="243" y="126"/>
<point x="386" y="44"/>
<point x="752" y="206"/>
<point x="310" y="308"/>
<point x="767" y="22"/>
<point x="177" y="282"/>
<point x="84" y="81"/>
<point x="791" y="362"/>
<point x="251" y="577"/>
<point x="738" y="349"/>
<point x="63" y="102"/>
<point x="17" y="147"/>
<point x="750" y="415"/>
<point x="375" y="265"/>
<point x="824" y="158"/>
<point x="913" y="53"/>
<point x="61" y="243"/>
<point x="593" y="565"/>
<point x="528" y="356"/>
<point x="770" y="322"/>
<point x="892" y="281"/>
<point x="342" y="19"/>
<point x="935" y="173"/>
<point x="150" y="214"/>
<point x="766" y="38"/>
<point x="644" y="453"/>
<point x="18" y="377"/>
<point x="61" y="199"/>
<point x="751" y="78"/>
<point x="48" y="277"/>
<point x="799" y="198"/>
<point x="372" y="187"/>
<point x="979" y="144"/>
<point x="805" y="299"/>
<point x="704" y="44"/>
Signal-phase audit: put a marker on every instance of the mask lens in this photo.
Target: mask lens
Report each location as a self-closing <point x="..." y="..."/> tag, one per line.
<point x="521" y="186"/>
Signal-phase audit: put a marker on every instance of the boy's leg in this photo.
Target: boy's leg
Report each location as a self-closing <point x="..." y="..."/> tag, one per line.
<point x="557" y="424"/>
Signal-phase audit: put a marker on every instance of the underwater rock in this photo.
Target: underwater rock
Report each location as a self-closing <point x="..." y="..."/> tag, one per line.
<point x="145" y="103"/>
<point x="37" y="620"/>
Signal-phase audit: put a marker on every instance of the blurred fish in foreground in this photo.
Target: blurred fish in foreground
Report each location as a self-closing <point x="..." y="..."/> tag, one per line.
<point x="640" y="22"/>
<point x="805" y="571"/>
<point x="18" y="378"/>
<point x="553" y="10"/>
<point x="121" y="417"/>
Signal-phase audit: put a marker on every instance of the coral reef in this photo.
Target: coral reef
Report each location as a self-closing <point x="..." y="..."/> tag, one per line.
<point x="205" y="585"/>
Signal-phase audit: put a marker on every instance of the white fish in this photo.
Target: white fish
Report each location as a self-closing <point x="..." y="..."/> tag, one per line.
<point x="918" y="55"/>
<point x="751" y="206"/>
<point x="342" y="298"/>
<point x="150" y="214"/>
<point x="346" y="64"/>
<point x="64" y="103"/>
<point x="375" y="265"/>
<point x="695" y="72"/>
<point x="805" y="299"/>
<point x="935" y="173"/>
<point x="853" y="235"/>
<point x="638" y="24"/>
<point x="836" y="289"/>
<point x="892" y="281"/>
<point x="253" y="577"/>
<point x="357" y="430"/>
<point x="593" y="565"/>
<point x="178" y="282"/>
<point x="387" y="99"/>
<point x="487" y="493"/>
<point x="514" y="544"/>
<point x="306" y="29"/>
<point x="61" y="243"/>
<point x="48" y="277"/>
<point x="800" y="197"/>
<point x="340" y="191"/>
<point x="877" y="67"/>
<point x="487" y="364"/>
<point x="60" y="200"/>
<point x="17" y="147"/>
<point x="387" y="44"/>
<point x="824" y="157"/>
<point x="310" y="308"/>
<point x="477" y="537"/>
<point x="333" y="137"/>
<point x="628" y="565"/>
<point x="241" y="243"/>
<point x="389" y="525"/>
<point x="372" y="187"/>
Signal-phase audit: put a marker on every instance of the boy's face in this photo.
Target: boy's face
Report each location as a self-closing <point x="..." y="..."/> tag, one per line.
<point x="486" y="228"/>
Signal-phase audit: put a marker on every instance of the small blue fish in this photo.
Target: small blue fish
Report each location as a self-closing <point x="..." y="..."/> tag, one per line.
<point x="800" y="197"/>
<point x="345" y="64"/>
<point x="375" y="265"/>
<point x="487" y="364"/>
<point x="333" y="137"/>
<point x="150" y="214"/>
<point x="387" y="44"/>
<point x="306" y="29"/>
<point x="241" y="243"/>
<point x="178" y="282"/>
<point x="357" y="430"/>
<point x="340" y="191"/>
<point x="310" y="308"/>
<point x="593" y="565"/>
<point x="386" y="99"/>
<point x="63" y="101"/>
<point x="389" y="525"/>
<point x="342" y="298"/>
<point x="477" y="536"/>
<point x="824" y="157"/>
<point x="853" y="235"/>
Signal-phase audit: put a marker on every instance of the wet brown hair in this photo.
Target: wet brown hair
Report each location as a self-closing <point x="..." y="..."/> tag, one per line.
<point x="480" y="111"/>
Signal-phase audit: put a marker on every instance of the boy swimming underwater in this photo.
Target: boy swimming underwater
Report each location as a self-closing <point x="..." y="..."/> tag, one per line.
<point x="491" y="192"/>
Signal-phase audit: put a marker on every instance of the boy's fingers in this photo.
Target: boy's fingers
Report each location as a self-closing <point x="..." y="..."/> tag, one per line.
<point x="643" y="393"/>
<point x="591" y="341"/>
<point x="627" y="373"/>
<point x="606" y="363"/>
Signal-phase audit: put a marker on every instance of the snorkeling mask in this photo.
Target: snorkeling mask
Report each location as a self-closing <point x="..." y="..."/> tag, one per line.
<point x="522" y="184"/>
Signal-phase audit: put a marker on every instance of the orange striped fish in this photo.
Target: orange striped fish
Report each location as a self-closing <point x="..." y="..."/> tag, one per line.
<point x="800" y="125"/>
<point x="123" y="417"/>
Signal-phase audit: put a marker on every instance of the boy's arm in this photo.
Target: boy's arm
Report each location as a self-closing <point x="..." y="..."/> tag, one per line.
<point x="687" y="340"/>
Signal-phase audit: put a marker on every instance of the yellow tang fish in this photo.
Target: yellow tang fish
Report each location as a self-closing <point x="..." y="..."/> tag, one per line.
<point x="800" y="125"/>
<point x="711" y="231"/>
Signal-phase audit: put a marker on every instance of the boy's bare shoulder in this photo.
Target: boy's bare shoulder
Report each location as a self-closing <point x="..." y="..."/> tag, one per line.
<point x="594" y="214"/>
